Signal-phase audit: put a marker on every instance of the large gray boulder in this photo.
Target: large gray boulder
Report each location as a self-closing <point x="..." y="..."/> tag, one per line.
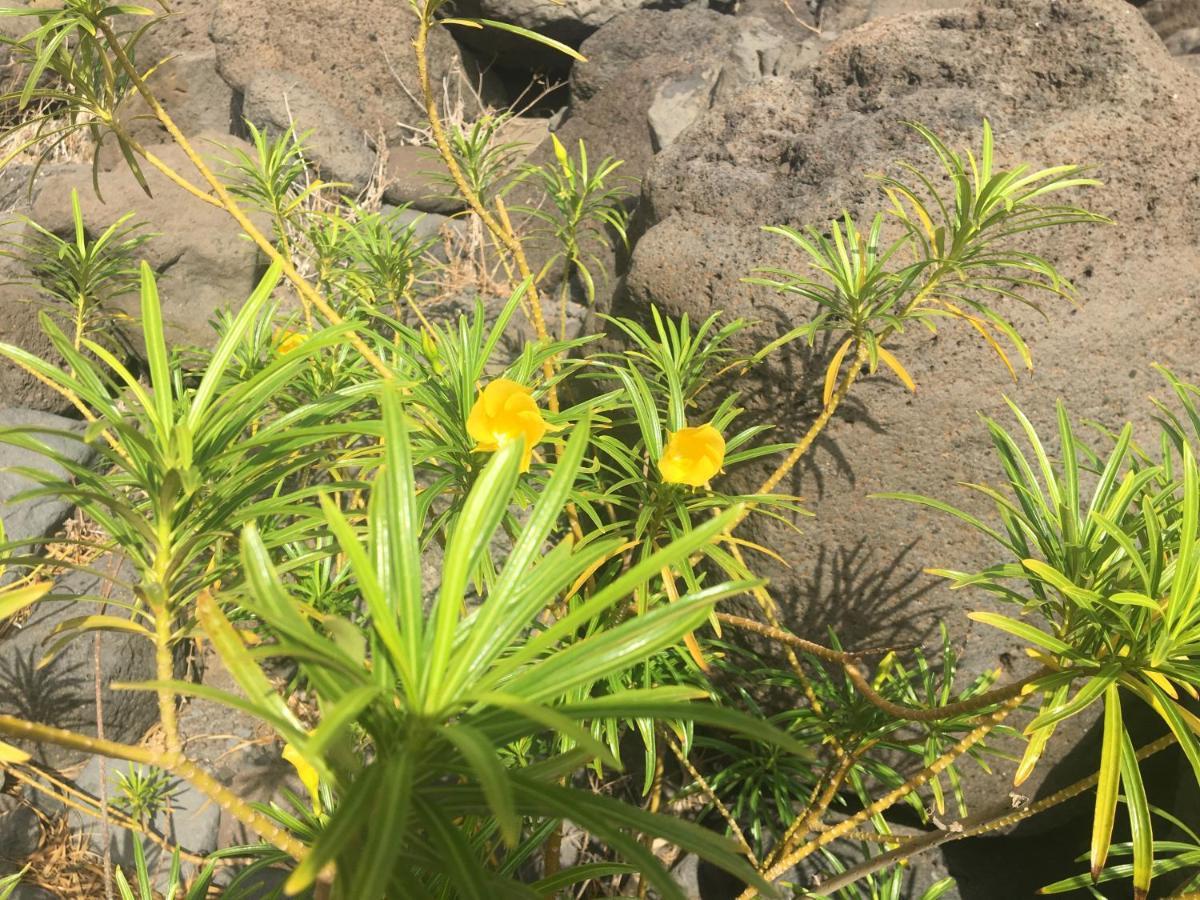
<point x="1085" y="82"/>
<point x="276" y="100"/>
<point x="358" y="56"/>
<point x="33" y="518"/>
<point x="570" y="22"/>
<point x="193" y="93"/>
<point x="203" y="261"/>
<point x="651" y="73"/>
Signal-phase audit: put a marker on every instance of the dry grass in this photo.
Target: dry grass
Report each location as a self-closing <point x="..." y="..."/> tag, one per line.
<point x="64" y="864"/>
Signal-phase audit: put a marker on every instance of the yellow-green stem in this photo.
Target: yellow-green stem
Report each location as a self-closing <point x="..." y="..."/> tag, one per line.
<point x="164" y="664"/>
<point x="889" y="799"/>
<point x="711" y="796"/>
<point x="810" y="819"/>
<point x="499" y="225"/>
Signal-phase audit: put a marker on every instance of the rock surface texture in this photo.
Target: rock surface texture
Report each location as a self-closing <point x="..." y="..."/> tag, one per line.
<point x="357" y="56"/>
<point x="33" y="518"/>
<point x="570" y="22"/>
<point x="202" y="260"/>
<point x="63" y="692"/>
<point x="1080" y="82"/>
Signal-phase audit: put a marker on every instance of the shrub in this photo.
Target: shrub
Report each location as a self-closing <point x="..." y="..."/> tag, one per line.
<point x="281" y="495"/>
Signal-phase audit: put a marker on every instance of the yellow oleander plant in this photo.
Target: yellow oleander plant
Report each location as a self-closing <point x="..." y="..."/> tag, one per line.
<point x="500" y="568"/>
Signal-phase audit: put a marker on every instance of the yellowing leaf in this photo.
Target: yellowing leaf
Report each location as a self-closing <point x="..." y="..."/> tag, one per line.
<point x="894" y="364"/>
<point x="1163" y="682"/>
<point x="15" y="599"/>
<point x="835" y="367"/>
<point x="978" y="325"/>
<point x="10" y="755"/>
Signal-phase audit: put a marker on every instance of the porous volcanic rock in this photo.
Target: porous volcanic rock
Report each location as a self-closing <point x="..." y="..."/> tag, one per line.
<point x="359" y="55"/>
<point x="570" y="22"/>
<point x="21" y="305"/>
<point x="62" y="693"/>
<point x="276" y="100"/>
<point x="1080" y="82"/>
<point x="651" y="55"/>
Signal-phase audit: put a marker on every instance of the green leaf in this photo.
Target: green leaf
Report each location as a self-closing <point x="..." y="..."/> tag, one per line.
<point x="1084" y="697"/>
<point x="1023" y="630"/>
<point x="1109" y="783"/>
<point x="516" y="29"/>
<point x="481" y="514"/>
<point x="492" y="776"/>
<point x="1139" y="819"/>
<point x="551" y="885"/>
<point x="156" y="349"/>
<point x="223" y="354"/>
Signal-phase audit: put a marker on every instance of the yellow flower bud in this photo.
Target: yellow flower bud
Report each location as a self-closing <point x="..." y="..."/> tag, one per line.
<point x="504" y="412"/>
<point x="288" y="340"/>
<point x="692" y="456"/>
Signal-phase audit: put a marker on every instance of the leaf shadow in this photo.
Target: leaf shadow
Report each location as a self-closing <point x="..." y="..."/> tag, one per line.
<point x="866" y="597"/>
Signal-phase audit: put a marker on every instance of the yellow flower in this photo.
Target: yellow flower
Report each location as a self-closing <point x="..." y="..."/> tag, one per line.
<point x="692" y="456"/>
<point x="308" y="775"/>
<point x="504" y="412"/>
<point x="289" y="340"/>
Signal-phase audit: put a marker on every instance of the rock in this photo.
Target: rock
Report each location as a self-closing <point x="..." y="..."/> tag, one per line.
<point x="191" y="91"/>
<point x="183" y="31"/>
<point x="359" y="56"/>
<point x="20" y="308"/>
<point x="412" y="179"/>
<point x="678" y="103"/>
<point x="650" y="74"/>
<point x="791" y="18"/>
<point x="840" y="15"/>
<point x="20" y="831"/>
<point x="673" y="62"/>
<point x="569" y="23"/>
<point x="1172" y="19"/>
<point x="424" y="225"/>
<point x="188" y="819"/>
<point x="276" y="100"/>
<point x="1185" y="41"/>
<point x="32" y="892"/>
<point x="63" y="692"/>
<point x="203" y="261"/>
<point x="36" y="517"/>
<point x="1085" y="82"/>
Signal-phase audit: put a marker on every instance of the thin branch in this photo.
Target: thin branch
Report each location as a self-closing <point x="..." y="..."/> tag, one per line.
<point x="712" y="798"/>
<point x="971" y="826"/>
<point x="935" y="713"/>
<point x="889" y="799"/>
<point x="308" y="294"/>
<point x="175" y="763"/>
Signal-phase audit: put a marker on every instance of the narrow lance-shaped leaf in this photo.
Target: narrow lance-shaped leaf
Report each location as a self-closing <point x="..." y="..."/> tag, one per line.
<point x="1109" y="782"/>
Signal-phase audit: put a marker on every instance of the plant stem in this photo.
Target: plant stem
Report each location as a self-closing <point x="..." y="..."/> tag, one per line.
<point x="712" y="797"/>
<point x="972" y="826"/>
<point x="889" y="799"/>
<point x="499" y="225"/>
<point x="175" y="763"/>
<point x="810" y="819"/>
<point x="164" y="665"/>
<point x="934" y="713"/>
